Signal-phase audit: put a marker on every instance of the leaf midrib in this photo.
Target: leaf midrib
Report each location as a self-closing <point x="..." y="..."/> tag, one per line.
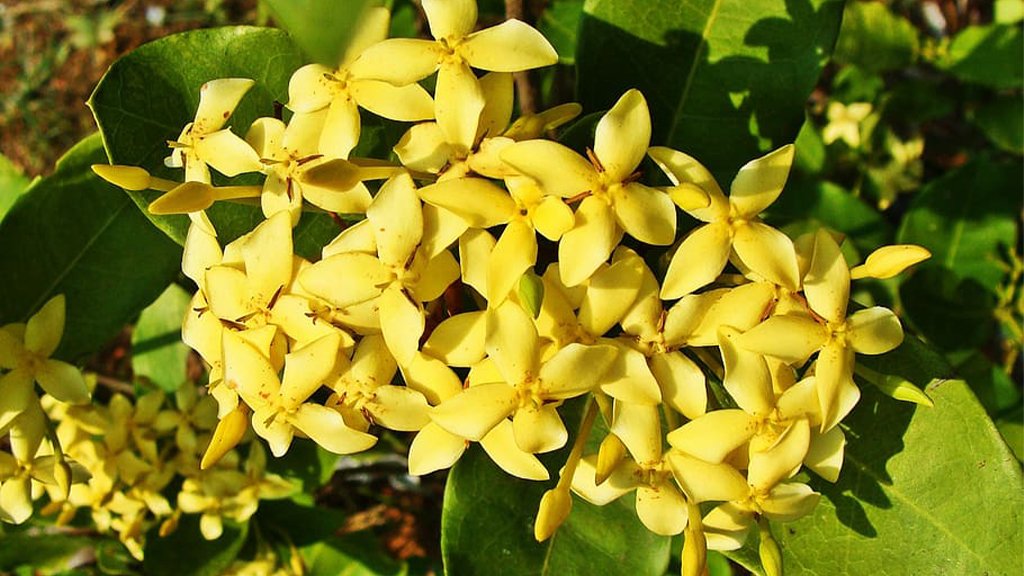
<point x="677" y="114"/>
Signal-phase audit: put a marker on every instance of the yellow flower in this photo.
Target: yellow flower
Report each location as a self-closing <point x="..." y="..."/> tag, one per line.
<point x="733" y="230"/>
<point x="25" y="351"/>
<point x="614" y="200"/>
<point x="844" y="122"/>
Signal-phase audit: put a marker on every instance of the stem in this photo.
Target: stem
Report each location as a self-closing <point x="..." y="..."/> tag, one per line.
<point x="524" y="87"/>
<point x="115" y="384"/>
<point x="577" y="448"/>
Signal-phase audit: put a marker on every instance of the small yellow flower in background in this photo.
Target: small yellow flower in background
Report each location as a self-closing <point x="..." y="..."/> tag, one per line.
<point x="844" y="122"/>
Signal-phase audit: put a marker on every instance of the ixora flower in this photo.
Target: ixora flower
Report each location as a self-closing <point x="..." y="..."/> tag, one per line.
<point x="613" y="201"/>
<point x="25" y="351"/>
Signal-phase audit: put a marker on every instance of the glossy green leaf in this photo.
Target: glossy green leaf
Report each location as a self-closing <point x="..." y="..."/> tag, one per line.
<point x="20" y="549"/>
<point x="74" y="234"/>
<point x="988" y="55"/>
<point x="875" y="38"/>
<point x="12" y="184"/>
<point x="306" y="464"/>
<point x="810" y="149"/>
<point x="1002" y="121"/>
<point x="996" y="390"/>
<point x="559" y="24"/>
<point x="322" y="28"/>
<point x="967" y="218"/>
<point x="355" y="554"/>
<point x="488" y="517"/>
<point x="158" y="353"/>
<point x="954" y="313"/>
<point x="1008" y="11"/>
<point x="726" y="80"/>
<point x="185" y="551"/>
<point x="923" y="491"/>
<point x="810" y="204"/>
<point x="148" y="95"/>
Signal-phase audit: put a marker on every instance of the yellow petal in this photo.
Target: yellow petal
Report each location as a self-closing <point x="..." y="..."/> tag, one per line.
<point x="689" y="197"/>
<point x="267" y="251"/>
<point x="646" y="214"/>
<point x="639" y="428"/>
<point x="127" y="177"/>
<point x="341" y="128"/>
<point x="714" y="435"/>
<point x="827" y="283"/>
<point x="610" y="293"/>
<point x="365" y="276"/>
<point x="726" y="527"/>
<point x="228" y="293"/>
<point x="789" y="338"/>
<point x="401" y="321"/>
<point x="698" y="261"/>
<point x="184" y="198"/>
<point x="620" y="482"/>
<point x="358" y="237"/>
<point x="558" y="170"/>
<point x="682" y="383"/>
<point x="780" y="462"/>
<point x="644" y="314"/>
<point x="434" y="448"/>
<point x="276" y="198"/>
<point x="555" y="506"/>
<point x="400" y="408"/>
<point x="19" y="392"/>
<point x="475" y="247"/>
<point x="437" y="275"/>
<point x="760" y="181"/>
<point x="309" y="89"/>
<point x="741" y="307"/>
<point x="512" y="342"/>
<point x="217" y="100"/>
<point x="405" y="103"/>
<point x="354" y="200"/>
<point x="589" y="244"/>
<point x="441" y="228"/>
<point x="683" y="169"/>
<point x="423" y="147"/>
<point x="248" y="372"/>
<point x="227" y="153"/>
<point x="514" y="254"/>
<point x="226" y="436"/>
<point x="16" y="499"/>
<point x="511" y="46"/>
<point x="371" y="29"/>
<point x="459" y="341"/>
<point x="327" y="428"/>
<point x="45" y="328"/>
<point x="623" y="135"/>
<point x="539" y="430"/>
<point x="500" y="97"/>
<point x="888" y="261"/>
<point x="476" y="410"/>
<point x="398" y="61"/>
<point x="553" y="218"/>
<point x="450" y="19"/>
<point x="834" y="377"/>
<point x="662" y="509"/>
<point x="574" y="370"/>
<point x="767" y="252"/>
<point x="788" y="502"/>
<point x="705" y="482"/>
<point x="629" y="377"/>
<point x="306" y="369"/>
<point x="500" y="445"/>
<point x="458" y="102"/>
<point x="397" y="221"/>
<point x="825" y="455"/>
<point x="874" y="330"/>
<point x="747" y="378"/>
<point x="372" y="363"/>
<point x="477" y="201"/>
<point x="63" y="381"/>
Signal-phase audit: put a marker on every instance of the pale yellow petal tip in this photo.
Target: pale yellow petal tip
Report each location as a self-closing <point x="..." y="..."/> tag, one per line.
<point x="888" y="261"/>
<point x="555" y="506"/>
<point x="127" y="177"/>
<point x="689" y="196"/>
<point x="182" y="199"/>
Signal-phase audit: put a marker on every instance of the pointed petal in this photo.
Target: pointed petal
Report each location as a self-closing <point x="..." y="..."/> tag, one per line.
<point x="46" y="327"/>
<point x="450" y="19"/>
<point x="620" y="482"/>
<point x="788" y="502"/>
<point x="760" y="181"/>
<point x="227" y="291"/>
<point x="623" y="135"/>
<point x="397" y="220"/>
<point x="512" y="342"/>
<point x="217" y="100"/>
<point x="741" y="307"/>
<point x="683" y="169"/>
<point x="646" y="214"/>
<point x="500" y="445"/>
<point x="589" y="244"/>
<point x="875" y="330"/>
<point x="400" y="408"/>
<point x="825" y="455"/>
<point x="459" y="341"/>
<point x="345" y="279"/>
<point x="341" y="128"/>
<point x="638" y="426"/>
<point x="477" y="201"/>
<point x="772" y="466"/>
<point x="475" y="247"/>
<point x="306" y="369"/>
<point x="558" y="170"/>
<point x="662" y="509"/>
<point x="439" y="273"/>
<point x="458" y="102"/>
<point x="476" y="410"/>
<point x="747" y="378"/>
<point x="227" y="153"/>
<point x="575" y="369"/>
<point x="767" y="252"/>
<point x="834" y="376"/>
<point x="63" y="381"/>
<point x="888" y="261"/>
<point x="267" y="251"/>
<point x="514" y="254"/>
<point x="714" y="435"/>
<point x="500" y="97"/>
<point x="705" y="482"/>
<point x="354" y="200"/>
<point x="441" y="228"/>
<point x="302" y="136"/>
<point x="309" y="89"/>
<point x="248" y="372"/>
<point x="789" y="338"/>
<point x="610" y="293"/>
<point x="401" y="322"/>
<point x="553" y="218"/>
<point x="432" y="378"/>
<point x="539" y="430"/>
<point x="16" y="499"/>
<point x="433" y="449"/>
<point x="423" y="147"/>
<point x="19" y="392"/>
<point x="698" y="261"/>
<point x="726" y="527"/>
<point x="827" y="284"/>
<point x="403" y="103"/>
<point x="358" y="237"/>
<point x="629" y="378"/>
<point x="327" y="428"/>
<point x="682" y="383"/>
<point x="511" y="46"/>
<point x="398" y="61"/>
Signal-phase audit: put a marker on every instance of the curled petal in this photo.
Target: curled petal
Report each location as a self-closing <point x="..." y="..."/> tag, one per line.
<point x="436" y="276"/>
<point x="683" y="169"/>
<point x="825" y="455"/>
<point x="620" y="482"/>
<point x="423" y="147"/>
<point x="217" y="100"/>
<point x="435" y="448"/>
<point x="431" y="378"/>
<point x="558" y="170"/>
<point x="770" y="467"/>
<point x="459" y="340"/>
<point x="629" y="378"/>
<point x="553" y="218"/>
<point x="400" y="408"/>
<point x="662" y="509"/>
<point x="476" y="410"/>
<point x="788" y="502"/>
<point x="789" y="338"/>
<point x="500" y="445"/>
<point x="539" y="429"/>
<point x="346" y="279"/>
<point x="714" y="435"/>
<point x="227" y="153"/>
<point x="406" y="103"/>
<point x="309" y="88"/>
<point x="682" y="383"/>
<point x="705" y="482"/>
<point x="327" y="428"/>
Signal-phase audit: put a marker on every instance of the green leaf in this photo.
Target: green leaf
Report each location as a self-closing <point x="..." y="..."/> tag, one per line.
<point x="488" y="516"/>
<point x="988" y="55"/>
<point x="996" y="390"/>
<point x="12" y="184"/>
<point x="1002" y="121"/>
<point x="322" y="28"/>
<point x="355" y="554"/>
<point x="158" y="353"/>
<point x="874" y="38"/>
<point x="810" y="149"/>
<point x="966" y="218"/>
<point x="148" y="95"/>
<point x="49" y="552"/>
<point x="954" y="313"/>
<point x="559" y="23"/>
<point x="76" y="235"/>
<point x="1008" y="11"/>
<point x="113" y="558"/>
<point x="925" y="491"/>
<point x="307" y="464"/>
<point x="812" y="204"/>
<point x="726" y="80"/>
<point x="185" y="551"/>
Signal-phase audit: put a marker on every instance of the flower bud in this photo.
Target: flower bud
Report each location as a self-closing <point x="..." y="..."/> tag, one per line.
<point x="127" y="177"/>
<point x="62" y="476"/>
<point x="226" y="436"/>
<point x="555" y="506"/>
<point x="889" y="261"/>
<point x="184" y="198"/>
<point x="531" y="292"/>
<point x="695" y="546"/>
<point x="768" y="549"/>
<point x="611" y="452"/>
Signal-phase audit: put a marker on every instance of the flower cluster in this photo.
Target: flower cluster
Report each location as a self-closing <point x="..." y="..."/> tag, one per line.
<point x="315" y="349"/>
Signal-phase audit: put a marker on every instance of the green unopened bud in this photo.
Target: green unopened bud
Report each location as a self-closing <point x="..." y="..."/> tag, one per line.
<point x="895" y="387"/>
<point x="768" y="549"/>
<point x="127" y="177"/>
<point x="555" y="506"/>
<point x="609" y="455"/>
<point x="531" y="292"/>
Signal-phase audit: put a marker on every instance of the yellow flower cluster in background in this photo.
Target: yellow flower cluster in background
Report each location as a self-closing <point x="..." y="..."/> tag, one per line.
<point x="338" y="349"/>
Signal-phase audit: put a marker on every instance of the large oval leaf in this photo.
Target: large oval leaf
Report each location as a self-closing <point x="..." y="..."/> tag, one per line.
<point x="726" y="80"/>
<point x="487" y="527"/>
<point x="71" y="233"/>
<point x="148" y="96"/>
